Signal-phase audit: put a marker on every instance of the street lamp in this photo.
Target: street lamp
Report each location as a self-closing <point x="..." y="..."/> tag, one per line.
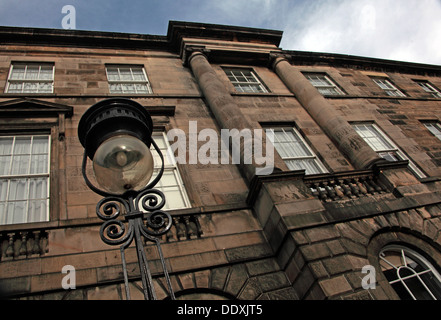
<point x="116" y="135"/>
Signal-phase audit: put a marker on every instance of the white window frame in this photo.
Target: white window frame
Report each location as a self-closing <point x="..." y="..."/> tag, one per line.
<point x="388" y="87"/>
<point x="25" y="81"/>
<point x="408" y="261"/>
<point x="429" y="88"/>
<point x="170" y="167"/>
<point x="132" y="81"/>
<point x="434" y="128"/>
<point x="324" y="84"/>
<point x="252" y="81"/>
<point x="391" y="152"/>
<point x="28" y="176"/>
<point x="299" y="139"/>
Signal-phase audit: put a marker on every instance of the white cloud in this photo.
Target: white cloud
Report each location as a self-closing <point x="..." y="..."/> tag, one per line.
<point x="399" y="30"/>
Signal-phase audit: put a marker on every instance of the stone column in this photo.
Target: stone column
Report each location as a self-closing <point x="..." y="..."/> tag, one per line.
<point x="338" y="129"/>
<point x="225" y="110"/>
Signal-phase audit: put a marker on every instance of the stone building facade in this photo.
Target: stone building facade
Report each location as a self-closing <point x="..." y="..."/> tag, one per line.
<point x="351" y="211"/>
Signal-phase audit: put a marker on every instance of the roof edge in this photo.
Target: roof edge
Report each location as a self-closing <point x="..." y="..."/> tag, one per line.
<point x="305" y="57"/>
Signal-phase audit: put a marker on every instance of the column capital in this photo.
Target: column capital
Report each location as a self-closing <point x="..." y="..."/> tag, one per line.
<point x="190" y="52"/>
<point x="276" y="57"/>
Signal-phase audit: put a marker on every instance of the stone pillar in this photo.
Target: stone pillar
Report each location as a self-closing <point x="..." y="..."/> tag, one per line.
<point x="225" y="110"/>
<point x="338" y="129"/>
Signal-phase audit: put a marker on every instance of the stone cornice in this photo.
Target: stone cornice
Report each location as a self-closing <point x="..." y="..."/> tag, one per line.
<point x="227" y="43"/>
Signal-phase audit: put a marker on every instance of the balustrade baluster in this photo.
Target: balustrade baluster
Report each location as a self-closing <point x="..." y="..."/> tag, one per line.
<point x="10" y="248"/>
<point x="36" y="248"/>
<point x="374" y="185"/>
<point x="181" y="231"/>
<point x="367" y="185"/>
<point x="360" y="186"/>
<point x="188" y="227"/>
<point x="322" y="192"/>
<point x="346" y="189"/>
<point x="354" y="188"/>
<point x="338" y="190"/>
<point x="23" y="250"/>
<point x="330" y="190"/>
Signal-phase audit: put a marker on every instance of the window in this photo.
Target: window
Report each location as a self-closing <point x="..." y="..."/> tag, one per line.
<point x="411" y="275"/>
<point x="384" y="146"/>
<point x="24" y="179"/>
<point x="171" y="183"/>
<point x="324" y="84"/>
<point x="126" y="79"/>
<point x="294" y="150"/>
<point x="245" y="80"/>
<point x="429" y="88"/>
<point x="30" y="78"/>
<point x="435" y="128"/>
<point x="388" y="87"/>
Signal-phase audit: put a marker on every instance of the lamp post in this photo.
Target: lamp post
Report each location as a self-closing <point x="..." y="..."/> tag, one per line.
<point x="116" y="135"/>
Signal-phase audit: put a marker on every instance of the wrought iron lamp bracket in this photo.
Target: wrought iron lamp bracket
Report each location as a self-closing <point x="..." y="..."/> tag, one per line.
<point x="133" y="216"/>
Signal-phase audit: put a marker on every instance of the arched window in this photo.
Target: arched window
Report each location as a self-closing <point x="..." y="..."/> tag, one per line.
<point x="411" y="275"/>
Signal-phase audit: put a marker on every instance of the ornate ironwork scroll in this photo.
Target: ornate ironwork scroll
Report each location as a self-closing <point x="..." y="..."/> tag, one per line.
<point x="138" y="219"/>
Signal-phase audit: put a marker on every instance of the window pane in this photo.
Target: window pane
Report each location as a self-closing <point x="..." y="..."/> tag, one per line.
<point x="3" y="207"/>
<point x="15" y="87"/>
<point x="18" y="189"/>
<point x="37" y="210"/>
<point x="174" y="198"/>
<point x="115" y="88"/>
<point x="372" y="137"/>
<point x="16" y="212"/>
<point x="30" y="87"/>
<point x="112" y="74"/>
<point x="168" y="179"/>
<point x="18" y="72"/>
<point x="3" y="189"/>
<point x="45" y="87"/>
<point x="5" y="155"/>
<point x="128" y="88"/>
<point x="141" y="88"/>
<point x="125" y="74"/>
<point x="46" y="73"/>
<point x="309" y="165"/>
<point x="294" y="151"/>
<point x="39" y="164"/>
<point x="38" y="188"/>
<point x="138" y="74"/>
<point x="32" y="72"/>
<point x="20" y="165"/>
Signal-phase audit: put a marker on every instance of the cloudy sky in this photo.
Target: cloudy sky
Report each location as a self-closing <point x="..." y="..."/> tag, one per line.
<point x="407" y="30"/>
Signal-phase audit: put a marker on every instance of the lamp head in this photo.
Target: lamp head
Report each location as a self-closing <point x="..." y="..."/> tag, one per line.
<point x="116" y="135"/>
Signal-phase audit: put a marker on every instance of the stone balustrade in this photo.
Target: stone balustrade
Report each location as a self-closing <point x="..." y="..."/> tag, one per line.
<point x="184" y="227"/>
<point x="22" y="244"/>
<point x="341" y="186"/>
